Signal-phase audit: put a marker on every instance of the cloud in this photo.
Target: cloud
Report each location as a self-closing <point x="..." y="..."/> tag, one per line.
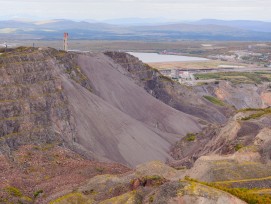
<point x="104" y="9"/>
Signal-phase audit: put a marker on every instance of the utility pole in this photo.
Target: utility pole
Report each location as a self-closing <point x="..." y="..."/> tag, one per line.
<point x="65" y="43"/>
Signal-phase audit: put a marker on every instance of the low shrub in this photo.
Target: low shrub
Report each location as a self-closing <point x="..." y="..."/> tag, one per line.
<point x="14" y="191"/>
<point x="214" y="100"/>
<point x="37" y="193"/>
<point x="244" y="194"/>
<point x="190" y="137"/>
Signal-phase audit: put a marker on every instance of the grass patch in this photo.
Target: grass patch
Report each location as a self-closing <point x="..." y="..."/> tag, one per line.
<point x="72" y="198"/>
<point x="214" y="100"/>
<point x="151" y="199"/>
<point x="208" y="76"/>
<point x="202" y="83"/>
<point x="238" y="146"/>
<point x="259" y="113"/>
<point x="237" y="77"/>
<point x="99" y="169"/>
<point x="165" y="78"/>
<point x="249" y="109"/>
<point x="14" y="191"/>
<point x="190" y="137"/>
<point x="37" y="193"/>
<point x="247" y="195"/>
<point x="25" y="199"/>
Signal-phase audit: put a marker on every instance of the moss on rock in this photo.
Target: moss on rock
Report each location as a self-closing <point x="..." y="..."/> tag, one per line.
<point x="73" y="198"/>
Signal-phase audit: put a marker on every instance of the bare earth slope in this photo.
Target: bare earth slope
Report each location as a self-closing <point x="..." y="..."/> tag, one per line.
<point x="112" y="134"/>
<point x="122" y="92"/>
<point x="83" y="101"/>
<point x="119" y="120"/>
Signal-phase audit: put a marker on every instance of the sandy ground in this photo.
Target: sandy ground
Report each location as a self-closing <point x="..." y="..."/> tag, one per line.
<point x="211" y="64"/>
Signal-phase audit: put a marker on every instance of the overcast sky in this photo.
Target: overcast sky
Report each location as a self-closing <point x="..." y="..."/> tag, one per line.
<point x="109" y="9"/>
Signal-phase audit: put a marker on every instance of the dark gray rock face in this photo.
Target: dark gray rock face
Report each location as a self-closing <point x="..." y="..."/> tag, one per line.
<point x="173" y="94"/>
<point x="238" y="95"/>
<point x="32" y="105"/>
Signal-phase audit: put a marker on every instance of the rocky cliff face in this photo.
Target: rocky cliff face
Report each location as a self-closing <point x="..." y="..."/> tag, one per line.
<point x="33" y="108"/>
<point x="239" y="95"/>
<point x="174" y="94"/>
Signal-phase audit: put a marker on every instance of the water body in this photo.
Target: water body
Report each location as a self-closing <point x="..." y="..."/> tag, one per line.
<point x="154" y="57"/>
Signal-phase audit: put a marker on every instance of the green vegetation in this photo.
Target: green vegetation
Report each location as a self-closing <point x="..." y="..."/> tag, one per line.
<point x="72" y="198"/>
<point x="230" y="182"/>
<point x="247" y="195"/>
<point x="158" y="181"/>
<point x="190" y="137"/>
<point x="208" y="76"/>
<point x="152" y="68"/>
<point x="99" y="169"/>
<point x="25" y="199"/>
<point x="14" y="191"/>
<point x="238" y="146"/>
<point x="72" y="69"/>
<point x="214" y="100"/>
<point x="151" y="199"/>
<point x="129" y="197"/>
<point x="248" y="109"/>
<point x="15" y="194"/>
<point x="259" y="113"/>
<point x="180" y="168"/>
<point x="37" y="193"/>
<point x="238" y="77"/>
<point x="23" y="49"/>
<point x="165" y="78"/>
<point x="202" y="83"/>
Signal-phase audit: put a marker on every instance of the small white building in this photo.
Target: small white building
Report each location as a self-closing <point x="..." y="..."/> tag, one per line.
<point x="186" y="75"/>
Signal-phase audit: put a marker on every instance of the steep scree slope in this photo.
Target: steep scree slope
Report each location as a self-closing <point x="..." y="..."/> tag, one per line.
<point x="81" y="101"/>
<point x="119" y="120"/>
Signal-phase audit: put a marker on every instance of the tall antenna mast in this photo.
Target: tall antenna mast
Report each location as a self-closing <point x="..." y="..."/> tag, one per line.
<point x="65" y="43"/>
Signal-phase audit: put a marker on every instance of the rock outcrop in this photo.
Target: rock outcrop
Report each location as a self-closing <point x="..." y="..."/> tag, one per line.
<point x="143" y="186"/>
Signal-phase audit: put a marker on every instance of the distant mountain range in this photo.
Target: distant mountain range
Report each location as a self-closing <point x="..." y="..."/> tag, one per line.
<point x="137" y="29"/>
<point x="258" y="26"/>
<point x="137" y="21"/>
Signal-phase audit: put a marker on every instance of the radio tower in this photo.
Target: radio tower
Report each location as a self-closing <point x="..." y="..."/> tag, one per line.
<point x="65" y="44"/>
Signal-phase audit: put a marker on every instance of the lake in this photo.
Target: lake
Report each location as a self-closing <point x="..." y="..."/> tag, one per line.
<point x="154" y="57"/>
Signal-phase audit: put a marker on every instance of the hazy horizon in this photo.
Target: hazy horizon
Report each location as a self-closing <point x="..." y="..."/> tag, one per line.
<point x="172" y="10"/>
<point x="148" y="20"/>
